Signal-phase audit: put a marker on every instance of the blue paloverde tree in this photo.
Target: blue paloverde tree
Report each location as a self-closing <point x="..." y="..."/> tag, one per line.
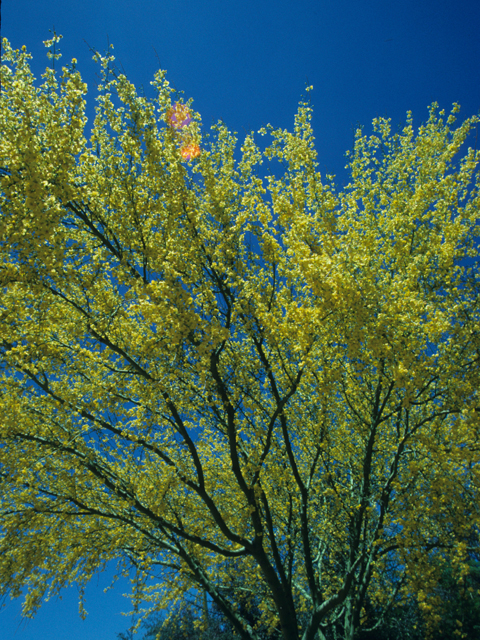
<point x="260" y="388"/>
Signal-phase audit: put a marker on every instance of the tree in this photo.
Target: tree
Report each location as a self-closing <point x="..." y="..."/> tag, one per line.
<point x="255" y="386"/>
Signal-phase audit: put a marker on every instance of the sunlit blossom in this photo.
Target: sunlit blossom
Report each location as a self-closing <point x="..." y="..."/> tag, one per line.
<point x="179" y="119"/>
<point x="178" y="116"/>
<point x="190" y="151"/>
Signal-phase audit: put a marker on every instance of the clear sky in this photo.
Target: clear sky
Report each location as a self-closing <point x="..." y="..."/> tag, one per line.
<point x="247" y="62"/>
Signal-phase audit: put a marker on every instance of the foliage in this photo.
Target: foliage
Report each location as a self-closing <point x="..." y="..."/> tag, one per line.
<point x="258" y="387"/>
<point x="460" y="603"/>
<point x="185" y="622"/>
<point x="459" y="608"/>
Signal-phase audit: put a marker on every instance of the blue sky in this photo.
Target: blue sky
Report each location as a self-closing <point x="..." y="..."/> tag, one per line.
<point x="248" y="63"/>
